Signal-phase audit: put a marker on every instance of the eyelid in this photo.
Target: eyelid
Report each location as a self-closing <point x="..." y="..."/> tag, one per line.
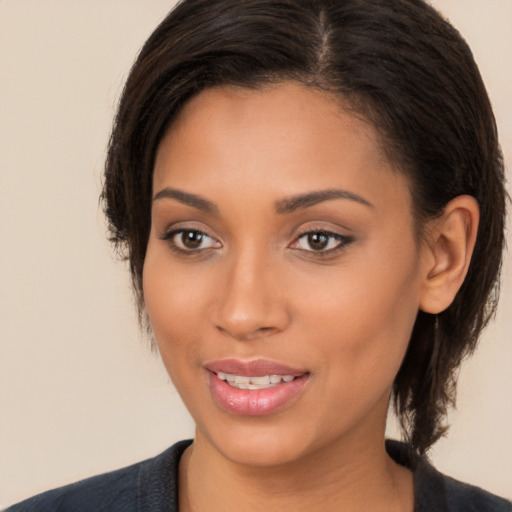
<point x="343" y="241"/>
<point x="173" y="231"/>
<point x="176" y="225"/>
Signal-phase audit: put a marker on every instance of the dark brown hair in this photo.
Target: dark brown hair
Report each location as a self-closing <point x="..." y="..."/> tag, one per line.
<point x="398" y="64"/>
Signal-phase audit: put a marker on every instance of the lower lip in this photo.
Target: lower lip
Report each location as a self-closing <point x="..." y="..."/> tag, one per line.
<point x="255" y="402"/>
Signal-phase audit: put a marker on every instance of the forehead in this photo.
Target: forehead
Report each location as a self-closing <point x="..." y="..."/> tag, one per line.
<point x="309" y="107"/>
<point x="280" y="139"/>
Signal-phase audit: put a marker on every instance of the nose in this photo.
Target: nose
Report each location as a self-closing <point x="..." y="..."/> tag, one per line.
<point x="250" y="303"/>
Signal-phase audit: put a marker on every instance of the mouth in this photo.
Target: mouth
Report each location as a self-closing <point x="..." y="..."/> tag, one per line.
<point x="254" y="383"/>
<point x="254" y="388"/>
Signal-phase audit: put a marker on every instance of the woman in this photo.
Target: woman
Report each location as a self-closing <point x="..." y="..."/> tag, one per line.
<point x="302" y="189"/>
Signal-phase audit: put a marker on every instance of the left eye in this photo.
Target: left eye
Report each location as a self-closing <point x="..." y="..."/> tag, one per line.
<point x="191" y="240"/>
<point x="320" y="241"/>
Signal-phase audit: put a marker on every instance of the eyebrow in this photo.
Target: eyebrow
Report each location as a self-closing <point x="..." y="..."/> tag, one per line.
<point x="282" y="206"/>
<point x="299" y="202"/>
<point x="198" y="202"/>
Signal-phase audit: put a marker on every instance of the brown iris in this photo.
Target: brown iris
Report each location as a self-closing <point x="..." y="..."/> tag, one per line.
<point x="318" y="241"/>
<point x="192" y="239"/>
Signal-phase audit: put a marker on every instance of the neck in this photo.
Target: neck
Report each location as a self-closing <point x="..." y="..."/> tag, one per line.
<point x="354" y="473"/>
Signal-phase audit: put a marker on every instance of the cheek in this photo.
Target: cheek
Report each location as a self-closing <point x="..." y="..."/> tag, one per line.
<point x="172" y="297"/>
<point x="364" y="314"/>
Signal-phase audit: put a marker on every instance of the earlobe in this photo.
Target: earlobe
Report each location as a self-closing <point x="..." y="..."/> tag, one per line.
<point x="449" y="246"/>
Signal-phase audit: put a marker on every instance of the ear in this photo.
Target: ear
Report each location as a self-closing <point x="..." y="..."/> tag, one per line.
<point x="449" y="244"/>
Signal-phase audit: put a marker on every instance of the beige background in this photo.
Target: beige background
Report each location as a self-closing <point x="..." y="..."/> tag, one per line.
<point x="79" y="391"/>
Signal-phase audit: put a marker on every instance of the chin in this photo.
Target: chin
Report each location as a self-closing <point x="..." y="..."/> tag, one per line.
<point x="263" y="451"/>
<point x="256" y="444"/>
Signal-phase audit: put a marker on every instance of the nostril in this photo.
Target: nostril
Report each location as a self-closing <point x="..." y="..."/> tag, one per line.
<point x="247" y="334"/>
<point x="266" y="329"/>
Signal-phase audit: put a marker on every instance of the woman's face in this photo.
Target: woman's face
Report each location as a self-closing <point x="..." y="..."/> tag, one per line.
<point x="282" y="249"/>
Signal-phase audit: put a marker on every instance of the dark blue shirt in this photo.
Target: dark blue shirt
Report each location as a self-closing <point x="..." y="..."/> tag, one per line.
<point x="152" y="486"/>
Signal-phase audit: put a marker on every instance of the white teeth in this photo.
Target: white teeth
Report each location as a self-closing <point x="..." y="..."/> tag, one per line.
<point x="262" y="382"/>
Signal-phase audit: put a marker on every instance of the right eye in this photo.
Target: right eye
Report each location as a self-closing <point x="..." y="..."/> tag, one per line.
<point x="189" y="240"/>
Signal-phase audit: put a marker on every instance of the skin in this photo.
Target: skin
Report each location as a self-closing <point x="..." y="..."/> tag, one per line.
<point x="256" y="287"/>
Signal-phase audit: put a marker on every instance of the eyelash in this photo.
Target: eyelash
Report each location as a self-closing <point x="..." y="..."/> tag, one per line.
<point x="169" y="237"/>
<point x="342" y="241"/>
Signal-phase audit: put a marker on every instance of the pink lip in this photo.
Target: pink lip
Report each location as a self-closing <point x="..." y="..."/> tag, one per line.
<point x="257" y="402"/>
<point x="256" y="368"/>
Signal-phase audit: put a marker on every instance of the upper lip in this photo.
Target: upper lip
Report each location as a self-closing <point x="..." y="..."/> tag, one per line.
<point x="255" y="368"/>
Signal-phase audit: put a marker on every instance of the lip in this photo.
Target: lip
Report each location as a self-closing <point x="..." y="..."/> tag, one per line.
<point x="255" y="368"/>
<point x="256" y="402"/>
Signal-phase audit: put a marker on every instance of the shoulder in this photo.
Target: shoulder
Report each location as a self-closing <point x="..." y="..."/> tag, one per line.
<point x="435" y="491"/>
<point x="147" y="485"/>
<point x="463" y="497"/>
<point x="114" y="491"/>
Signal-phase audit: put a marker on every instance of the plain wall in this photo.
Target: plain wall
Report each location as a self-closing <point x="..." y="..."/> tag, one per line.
<point x="80" y="393"/>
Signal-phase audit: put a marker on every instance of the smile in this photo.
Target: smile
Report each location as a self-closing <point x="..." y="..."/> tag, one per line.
<point x="254" y="383"/>
<point x="255" y="388"/>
